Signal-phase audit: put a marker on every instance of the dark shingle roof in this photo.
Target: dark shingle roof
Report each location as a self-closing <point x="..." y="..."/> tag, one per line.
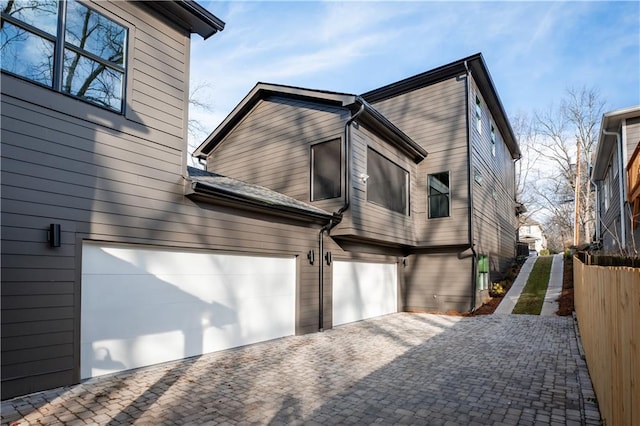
<point x="212" y="184"/>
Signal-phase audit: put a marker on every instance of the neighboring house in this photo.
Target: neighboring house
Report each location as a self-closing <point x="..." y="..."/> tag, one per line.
<point x="116" y="255"/>
<point x="617" y="191"/>
<point x="446" y="222"/>
<point x="531" y="234"/>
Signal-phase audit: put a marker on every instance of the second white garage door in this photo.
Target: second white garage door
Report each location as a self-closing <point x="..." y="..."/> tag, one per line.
<point x="142" y="306"/>
<point x="363" y="290"/>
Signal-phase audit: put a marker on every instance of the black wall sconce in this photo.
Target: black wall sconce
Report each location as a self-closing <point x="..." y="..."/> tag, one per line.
<point x="311" y="256"/>
<point x="53" y="235"/>
<point x="327" y="257"/>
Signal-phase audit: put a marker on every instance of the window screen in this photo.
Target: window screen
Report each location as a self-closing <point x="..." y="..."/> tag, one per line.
<point x="325" y="170"/>
<point x="438" y="194"/>
<point x="388" y="183"/>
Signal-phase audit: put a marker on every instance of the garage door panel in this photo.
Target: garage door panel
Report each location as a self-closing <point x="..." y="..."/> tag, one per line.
<point x="144" y="306"/>
<point x="363" y="290"/>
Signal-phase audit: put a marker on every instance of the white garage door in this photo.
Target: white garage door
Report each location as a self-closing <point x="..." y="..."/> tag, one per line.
<point x="363" y="290"/>
<point x="142" y="306"/>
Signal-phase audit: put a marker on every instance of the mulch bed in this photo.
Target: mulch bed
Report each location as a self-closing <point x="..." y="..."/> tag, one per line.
<point x="566" y="298"/>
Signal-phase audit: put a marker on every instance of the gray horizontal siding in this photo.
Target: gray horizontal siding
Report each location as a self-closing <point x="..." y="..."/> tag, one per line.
<point x="368" y="220"/>
<point x="437" y="282"/>
<point x="271" y="146"/>
<point x="494" y="199"/>
<point x="435" y="117"/>
<point x="107" y="177"/>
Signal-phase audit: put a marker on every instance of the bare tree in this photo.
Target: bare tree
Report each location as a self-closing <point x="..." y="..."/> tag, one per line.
<point x="198" y="101"/>
<point x="560" y="129"/>
<point x="526" y="172"/>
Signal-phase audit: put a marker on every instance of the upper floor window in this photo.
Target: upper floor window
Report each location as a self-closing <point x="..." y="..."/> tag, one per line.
<point x="387" y="184"/>
<point x="325" y="170"/>
<point x="478" y="114"/>
<point x="439" y="194"/>
<point x="493" y="141"/>
<point x="66" y="46"/>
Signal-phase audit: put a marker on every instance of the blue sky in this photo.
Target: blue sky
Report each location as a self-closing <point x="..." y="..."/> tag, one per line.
<point x="534" y="50"/>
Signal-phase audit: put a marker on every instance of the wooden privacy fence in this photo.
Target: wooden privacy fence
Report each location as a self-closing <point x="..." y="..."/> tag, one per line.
<point x="607" y="304"/>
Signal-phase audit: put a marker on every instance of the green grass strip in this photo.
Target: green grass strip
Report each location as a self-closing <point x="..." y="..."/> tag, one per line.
<point x="532" y="297"/>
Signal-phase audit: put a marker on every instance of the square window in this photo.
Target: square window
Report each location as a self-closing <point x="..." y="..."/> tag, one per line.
<point x="388" y="183"/>
<point x="66" y="46"/>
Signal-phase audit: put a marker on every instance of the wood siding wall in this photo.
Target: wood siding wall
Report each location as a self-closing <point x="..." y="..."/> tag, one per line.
<point x="437" y="282"/>
<point x="610" y="217"/>
<point x="271" y="146"/>
<point x="494" y="220"/>
<point x="632" y="140"/>
<point x="108" y="177"/>
<point x="435" y="117"/>
<point x="365" y="219"/>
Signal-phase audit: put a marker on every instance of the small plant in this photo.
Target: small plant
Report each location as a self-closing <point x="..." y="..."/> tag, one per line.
<point x="497" y="290"/>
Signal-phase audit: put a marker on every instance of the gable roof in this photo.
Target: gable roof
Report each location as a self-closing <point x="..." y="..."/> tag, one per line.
<point x="212" y="186"/>
<point x="369" y="117"/>
<point x="611" y="122"/>
<point x="190" y="15"/>
<point x="476" y="65"/>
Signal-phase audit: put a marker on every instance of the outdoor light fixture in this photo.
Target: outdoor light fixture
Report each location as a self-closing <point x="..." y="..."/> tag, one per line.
<point x="364" y="177"/>
<point x="311" y="256"/>
<point x="54" y="235"/>
<point x="328" y="257"/>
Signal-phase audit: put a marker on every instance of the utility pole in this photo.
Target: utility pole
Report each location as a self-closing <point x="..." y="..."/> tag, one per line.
<point x="576" y="223"/>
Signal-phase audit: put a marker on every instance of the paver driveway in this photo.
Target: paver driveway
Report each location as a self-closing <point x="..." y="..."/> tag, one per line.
<point x="402" y="368"/>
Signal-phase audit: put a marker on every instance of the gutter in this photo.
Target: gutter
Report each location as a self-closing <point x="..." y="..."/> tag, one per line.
<point x="623" y="224"/>
<point x="337" y="216"/>
<point x="474" y="264"/>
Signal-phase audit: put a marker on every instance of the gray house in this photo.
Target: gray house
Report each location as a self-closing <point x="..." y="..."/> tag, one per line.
<point x="448" y="220"/>
<point x="616" y="172"/>
<point x="116" y="255"/>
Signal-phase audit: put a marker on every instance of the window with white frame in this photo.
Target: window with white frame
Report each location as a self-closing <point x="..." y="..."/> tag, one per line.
<point x="65" y="46"/>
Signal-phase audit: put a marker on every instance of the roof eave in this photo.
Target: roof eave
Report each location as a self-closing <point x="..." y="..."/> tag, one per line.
<point x="611" y="122"/>
<point x="190" y="15"/>
<point x="261" y="91"/>
<point x="483" y="79"/>
<point x="201" y="190"/>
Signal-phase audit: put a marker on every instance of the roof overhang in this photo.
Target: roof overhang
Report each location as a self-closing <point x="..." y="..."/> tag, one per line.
<point x="369" y="117"/>
<point x="611" y="122"/>
<point x="188" y="14"/>
<point x="474" y="64"/>
<point x="217" y="189"/>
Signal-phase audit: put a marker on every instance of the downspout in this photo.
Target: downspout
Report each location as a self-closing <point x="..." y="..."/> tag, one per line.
<point x="623" y="225"/>
<point x="337" y="216"/>
<point x="474" y="264"/>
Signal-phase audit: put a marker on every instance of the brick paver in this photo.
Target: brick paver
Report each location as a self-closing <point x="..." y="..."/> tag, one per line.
<point x="398" y="369"/>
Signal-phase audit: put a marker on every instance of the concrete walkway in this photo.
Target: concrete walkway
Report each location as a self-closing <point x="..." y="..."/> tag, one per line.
<point x="550" y="305"/>
<point x="398" y="369"/>
<point x="510" y="299"/>
<point x="554" y="289"/>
